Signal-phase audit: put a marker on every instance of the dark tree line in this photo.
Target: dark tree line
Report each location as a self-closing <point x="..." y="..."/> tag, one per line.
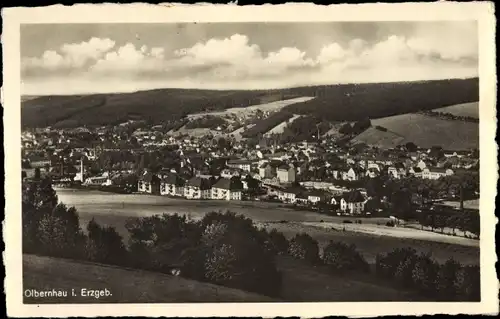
<point x="448" y="282"/>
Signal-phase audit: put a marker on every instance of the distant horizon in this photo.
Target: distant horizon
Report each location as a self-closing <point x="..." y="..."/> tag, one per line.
<point x="73" y="59"/>
<point x="268" y="89"/>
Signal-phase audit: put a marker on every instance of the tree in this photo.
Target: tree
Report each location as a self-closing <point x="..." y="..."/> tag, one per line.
<point x="342" y="257"/>
<point x="411" y="147"/>
<point x="236" y="255"/>
<point x="277" y="242"/>
<point x="346" y="129"/>
<point x="424" y="275"/>
<point x="361" y="126"/>
<point x="448" y="282"/>
<point x="105" y="245"/>
<point x="303" y="246"/>
<point x="37" y="174"/>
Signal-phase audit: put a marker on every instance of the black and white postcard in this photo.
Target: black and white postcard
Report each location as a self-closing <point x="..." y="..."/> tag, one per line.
<point x="224" y="160"/>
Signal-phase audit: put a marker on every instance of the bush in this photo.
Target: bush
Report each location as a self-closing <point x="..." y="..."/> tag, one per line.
<point x="346" y="221"/>
<point x="394" y="264"/>
<point x="277" y="242"/>
<point x="236" y="255"/>
<point x="448" y="284"/>
<point x="469" y="283"/>
<point x="390" y="223"/>
<point x="342" y="257"/>
<point x="105" y="245"/>
<point x="304" y="247"/>
<point x="425" y="274"/>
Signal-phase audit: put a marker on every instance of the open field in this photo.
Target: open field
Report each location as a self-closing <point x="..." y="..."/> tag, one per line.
<point x="266" y="107"/>
<point x="46" y="273"/>
<point x="114" y="209"/>
<point x="278" y="129"/>
<point x="466" y="109"/>
<point x="197" y="132"/>
<point x="370" y="244"/>
<point x="468" y="204"/>
<point x="427" y="131"/>
<point x="384" y="140"/>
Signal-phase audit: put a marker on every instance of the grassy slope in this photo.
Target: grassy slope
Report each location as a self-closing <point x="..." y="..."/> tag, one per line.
<point x="127" y="286"/>
<point x="466" y="109"/>
<point x="384" y="140"/>
<point x="301" y="282"/>
<point x="333" y="102"/>
<point x="424" y="131"/>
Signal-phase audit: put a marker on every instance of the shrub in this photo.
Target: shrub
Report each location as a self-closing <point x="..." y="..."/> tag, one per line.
<point x="105" y="245"/>
<point x="390" y="223"/>
<point x="425" y="274"/>
<point x="278" y="242"/>
<point x="162" y="242"/>
<point x="303" y="246"/>
<point x="448" y="282"/>
<point x="396" y="263"/>
<point x="346" y="221"/>
<point x="59" y="233"/>
<point x="236" y="255"/>
<point x="342" y="257"/>
<point x="469" y="283"/>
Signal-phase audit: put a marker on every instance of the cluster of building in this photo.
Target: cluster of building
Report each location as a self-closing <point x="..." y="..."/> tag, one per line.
<point x="303" y="173"/>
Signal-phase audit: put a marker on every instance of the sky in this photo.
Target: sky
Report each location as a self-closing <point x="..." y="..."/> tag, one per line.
<point x="102" y="58"/>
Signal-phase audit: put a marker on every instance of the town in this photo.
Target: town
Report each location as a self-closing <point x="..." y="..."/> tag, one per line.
<point x="327" y="174"/>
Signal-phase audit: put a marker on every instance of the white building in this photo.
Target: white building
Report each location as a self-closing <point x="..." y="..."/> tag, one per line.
<point x="227" y="189"/>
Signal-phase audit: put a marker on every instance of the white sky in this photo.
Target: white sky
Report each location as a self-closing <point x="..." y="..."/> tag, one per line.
<point x="79" y="58"/>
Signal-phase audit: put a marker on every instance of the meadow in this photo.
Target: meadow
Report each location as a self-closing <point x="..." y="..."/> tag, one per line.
<point x="370" y="238"/>
<point x="465" y="109"/>
<point x="426" y="131"/>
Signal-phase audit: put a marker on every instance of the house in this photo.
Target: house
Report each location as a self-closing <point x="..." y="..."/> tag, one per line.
<point x="422" y="164"/>
<point x="198" y="188"/>
<point x="301" y="198"/>
<point x="267" y="170"/>
<point x="39" y="162"/>
<point x="352" y="174"/>
<point x="372" y="172"/>
<point x="315" y="196"/>
<point x="242" y="164"/>
<point x="352" y="203"/>
<point x="289" y="195"/>
<point x="374" y="165"/>
<point x="227" y="189"/>
<point x="149" y="183"/>
<point x="286" y="174"/>
<point x="98" y="181"/>
<point x="228" y="173"/>
<point x="172" y="184"/>
<point x="436" y="172"/>
<point x="415" y="171"/>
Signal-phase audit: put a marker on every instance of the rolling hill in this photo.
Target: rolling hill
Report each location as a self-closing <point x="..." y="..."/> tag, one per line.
<point x="138" y="287"/>
<point x="466" y="109"/>
<point x="425" y="131"/>
<point x="343" y="102"/>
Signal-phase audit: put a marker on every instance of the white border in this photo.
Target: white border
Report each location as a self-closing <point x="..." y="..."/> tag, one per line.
<point x="483" y="12"/>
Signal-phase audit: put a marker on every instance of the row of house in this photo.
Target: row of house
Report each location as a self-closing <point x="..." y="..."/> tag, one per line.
<point x="352" y="202"/>
<point x="197" y="187"/>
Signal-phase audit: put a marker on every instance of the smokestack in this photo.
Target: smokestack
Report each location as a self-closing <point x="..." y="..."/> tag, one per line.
<point x="81" y="168"/>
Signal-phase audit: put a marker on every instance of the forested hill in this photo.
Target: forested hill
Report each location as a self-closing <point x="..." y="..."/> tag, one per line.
<point x="332" y="102"/>
<point x="352" y="102"/>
